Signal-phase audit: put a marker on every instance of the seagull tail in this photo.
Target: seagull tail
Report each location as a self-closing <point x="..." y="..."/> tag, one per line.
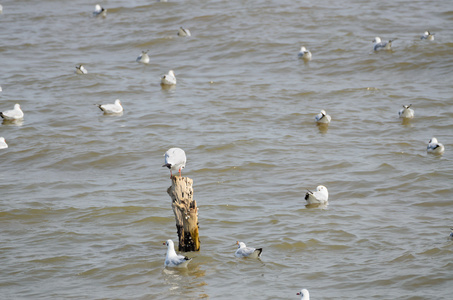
<point x="260" y="250"/>
<point x="167" y="165"/>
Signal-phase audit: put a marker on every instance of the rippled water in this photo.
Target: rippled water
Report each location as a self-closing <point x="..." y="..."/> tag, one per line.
<point x="84" y="209"/>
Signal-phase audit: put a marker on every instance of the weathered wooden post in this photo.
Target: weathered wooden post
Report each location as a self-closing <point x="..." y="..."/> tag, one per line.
<point x="186" y="213"/>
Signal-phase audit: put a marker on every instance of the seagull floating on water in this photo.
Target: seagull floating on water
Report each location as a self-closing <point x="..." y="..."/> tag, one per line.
<point x="169" y="78"/>
<point x="183" y="32"/>
<point x="114" y="108"/>
<point x="3" y="144"/>
<point x="406" y="112"/>
<point x="175" y="260"/>
<point x="305" y="54"/>
<point x="143" y="58"/>
<point x="80" y="69"/>
<point x="305" y="295"/>
<point x="435" y="147"/>
<point x="319" y="197"/>
<point x="99" y="11"/>
<point x="451" y="233"/>
<point x="379" y="45"/>
<point x="244" y="251"/>
<point x="427" y="36"/>
<point x="14" y="114"/>
<point x="175" y="160"/>
<point x="323" y="117"/>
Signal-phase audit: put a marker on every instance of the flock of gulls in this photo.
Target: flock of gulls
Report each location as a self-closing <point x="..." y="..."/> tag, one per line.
<point x="175" y="158"/>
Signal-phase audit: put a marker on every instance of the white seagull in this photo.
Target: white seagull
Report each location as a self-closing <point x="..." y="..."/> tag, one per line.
<point x="143" y="58"/>
<point x="99" y="11"/>
<point x="175" y="160"/>
<point x="169" y="79"/>
<point x="14" y="114"/>
<point x="427" y="36"/>
<point x="305" y="54"/>
<point x="406" y="112"/>
<point x="175" y="260"/>
<point x="114" y="108"/>
<point x="183" y="32"/>
<point x="379" y="45"/>
<point x="244" y="251"/>
<point x="305" y="295"/>
<point x="435" y="147"/>
<point x="80" y="69"/>
<point x="319" y="197"/>
<point x="3" y="144"/>
<point x="323" y="117"/>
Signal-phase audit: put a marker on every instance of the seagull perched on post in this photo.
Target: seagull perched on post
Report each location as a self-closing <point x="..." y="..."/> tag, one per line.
<point x="323" y="117"/>
<point x="406" y="112"/>
<point x="244" y="251"/>
<point x="304" y="53"/>
<point x="14" y="114"/>
<point x="435" y="147"/>
<point x="379" y="45"/>
<point x="174" y="260"/>
<point x="114" y="108"/>
<point x="175" y="160"/>
<point x="319" y="197"/>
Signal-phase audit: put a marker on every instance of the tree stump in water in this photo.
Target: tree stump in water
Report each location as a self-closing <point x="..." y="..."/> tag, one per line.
<point x="186" y="213"/>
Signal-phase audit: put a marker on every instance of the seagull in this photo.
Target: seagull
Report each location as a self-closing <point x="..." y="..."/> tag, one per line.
<point x="379" y="45"/>
<point x="169" y="79"/>
<point x="143" y="58"/>
<point x="435" y="147"/>
<point x="183" y="32"/>
<point x="3" y="144"/>
<point x="80" y="69"/>
<point x="305" y="54"/>
<point x="174" y="260"/>
<point x="175" y="160"/>
<point x="99" y="11"/>
<point x="451" y="233"/>
<point x="305" y="294"/>
<point x="323" y="117"/>
<point x="427" y="36"/>
<point x="320" y="196"/>
<point x="15" y="114"/>
<point x="114" y="108"/>
<point x="244" y="251"/>
<point x="406" y="112"/>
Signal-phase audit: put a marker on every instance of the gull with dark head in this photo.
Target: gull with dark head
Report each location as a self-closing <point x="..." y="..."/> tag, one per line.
<point x="244" y="251"/>
<point x="435" y="147"/>
<point x="175" y="160"/>
<point x="99" y="11"/>
<point x="304" y="54"/>
<point x="305" y="295"/>
<point x="380" y="45"/>
<point x="183" y="31"/>
<point x="323" y="117"/>
<point x="80" y="69"/>
<point x="427" y="36"/>
<point x="406" y="112"/>
<point x="115" y="108"/>
<point x="14" y="114"/>
<point x="143" y="58"/>
<point x="173" y="259"/>
<point x="169" y="78"/>
<point x="3" y="144"/>
<point x="319" y="197"/>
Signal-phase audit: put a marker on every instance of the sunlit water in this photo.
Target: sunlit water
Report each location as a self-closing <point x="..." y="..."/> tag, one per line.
<point x="84" y="209"/>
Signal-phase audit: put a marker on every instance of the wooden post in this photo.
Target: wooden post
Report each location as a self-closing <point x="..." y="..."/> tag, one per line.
<point x="186" y="213"/>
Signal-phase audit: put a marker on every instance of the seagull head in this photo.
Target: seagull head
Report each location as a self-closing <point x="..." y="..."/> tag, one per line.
<point x="433" y="140"/>
<point x="377" y="40"/>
